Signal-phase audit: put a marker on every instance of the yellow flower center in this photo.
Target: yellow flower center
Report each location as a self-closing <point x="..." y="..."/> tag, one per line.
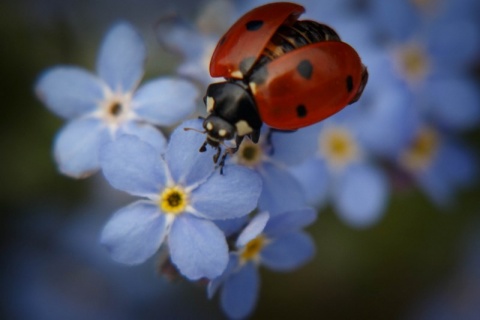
<point x="173" y="200"/>
<point x="252" y="249"/>
<point x="338" y="146"/>
<point x="413" y="62"/>
<point x="249" y="154"/>
<point x="421" y="151"/>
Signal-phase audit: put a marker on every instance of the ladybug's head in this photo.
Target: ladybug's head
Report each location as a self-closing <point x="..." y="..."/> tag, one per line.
<point x="228" y="104"/>
<point x="217" y="130"/>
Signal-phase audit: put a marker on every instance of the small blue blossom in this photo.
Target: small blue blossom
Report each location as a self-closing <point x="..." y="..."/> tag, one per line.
<point x="281" y="191"/>
<point x="100" y="108"/>
<point x="182" y="194"/>
<point x="439" y="163"/>
<point x="275" y="242"/>
<point x="342" y="170"/>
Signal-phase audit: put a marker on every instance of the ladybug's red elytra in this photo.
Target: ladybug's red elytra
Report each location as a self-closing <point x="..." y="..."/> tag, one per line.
<point x="283" y="72"/>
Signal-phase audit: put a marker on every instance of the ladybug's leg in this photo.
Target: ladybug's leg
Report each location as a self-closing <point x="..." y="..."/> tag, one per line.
<point x="268" y="138"/>
<point x="217" y="155"/>
<point x="238" y="141"/>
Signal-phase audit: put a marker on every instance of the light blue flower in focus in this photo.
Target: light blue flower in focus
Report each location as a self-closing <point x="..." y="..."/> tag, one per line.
<point x="182" y="194"/>
<point x="101" y="107"/>
<point x="276" y="242"/>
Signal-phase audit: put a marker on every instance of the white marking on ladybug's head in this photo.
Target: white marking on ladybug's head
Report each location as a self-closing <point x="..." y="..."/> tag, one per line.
<point x="210" y="102"/>
<point x="237" y="74"/>
<point x="222" y="132"/>
<point x="209" y="126"/>
<point x="243" y="128"/>
<point x="253" y="87"/>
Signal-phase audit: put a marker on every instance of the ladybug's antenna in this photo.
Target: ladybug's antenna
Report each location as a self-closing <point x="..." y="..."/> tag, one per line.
<point x="196" y="130"/>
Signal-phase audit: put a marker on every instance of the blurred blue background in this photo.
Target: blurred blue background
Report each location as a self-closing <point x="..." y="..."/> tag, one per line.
<point x="421" y="261"/>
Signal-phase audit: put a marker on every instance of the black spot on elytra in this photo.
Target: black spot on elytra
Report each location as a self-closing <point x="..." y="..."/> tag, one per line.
<point x="221" y="41"/>
<point x="254" y="25"/>
<point x="305" y="69"/>
<point x="259" y="76"/>
<point x="349" y="81"/>
<point x="246" y="64"/>
<point x="301" y="111"/>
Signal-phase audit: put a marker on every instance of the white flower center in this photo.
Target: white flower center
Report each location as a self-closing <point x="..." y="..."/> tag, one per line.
<point x="116" y="108"/>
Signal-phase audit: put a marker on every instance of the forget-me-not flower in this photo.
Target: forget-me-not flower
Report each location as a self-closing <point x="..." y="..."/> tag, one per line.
<point x="276" y="242"/>
<point x="183" y="194"/>
<point x="99" y="108"/>
<point x="343" y="170"/>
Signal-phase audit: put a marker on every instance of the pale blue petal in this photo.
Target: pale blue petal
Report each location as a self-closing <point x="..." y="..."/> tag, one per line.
<point x="134" y="233"/>
<point x="388" y="122"/>
<point x="216" y="283"/>
<point x="69" y="91"/>
<point x="436" y="186"/>
<point x="187" y="165"/>
<point x="231" y="195"/>
<point x="77" y="145"/>
<point x="145" y="132"/>
<point x="290" y="221"/>
<point x="315" y="180"/>
<point x="197" y="247"/>
<point x="253" y="229"/>
<point x="397" y="18"/>
<point x="454" y="103"/>
<point x="240" y="292"/>
<point x="288" y="252"/>
<point x="281" y="191"/>
<point x="232" y="226"/>
<point x="121" y="58"/>
<point x="360" y="195"/>
<point x="294" y="147"/>
<point x="165" y="101"/>
<point x="133" y="166"/>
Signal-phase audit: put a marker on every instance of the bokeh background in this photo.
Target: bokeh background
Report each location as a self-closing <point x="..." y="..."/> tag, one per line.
<point x="421" y="261"/>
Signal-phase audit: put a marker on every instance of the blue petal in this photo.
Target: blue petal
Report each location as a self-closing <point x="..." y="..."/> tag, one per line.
<point x="288" y="252"/>
<point x="240" y="292"/>
<point x="281" y="191"/>
<point x="187" y="165"/>
<point x="231" y="195"/>
<point x="77" y="145"/>
<point x="145" y="132"/>
<point x="294" y="147"/>
<point x="134" y="233"/>
<point x="69" y="91"/>
<point x="387" y="124"/>
<point x="290" y="221"/>
<point x="253" y="229"/>
<point x="133" y="166"/>
<point x="458" y="163"/>
<point x="165" y="101"/>
<point x="315" y="180"/>
<point x="360" y="195"/>
<point x="215" y="284"/>
<point x="454" y="103"/>
<point x="197" y="247"/>
<point x="231" y="226"/>
<point x="121" y="58"/>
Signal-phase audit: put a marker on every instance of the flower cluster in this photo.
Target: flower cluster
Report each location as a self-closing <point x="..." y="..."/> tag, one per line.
<point x="222" y="227"/>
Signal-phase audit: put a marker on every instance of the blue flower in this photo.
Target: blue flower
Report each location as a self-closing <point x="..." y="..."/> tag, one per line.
<point x="277" y="243"/>
<point x="281" y="191"/>
<point x="439" y="163"/>
<point x="100" y="108"/>
<point x="344" y="171"/>
<point x="182" y="195"/>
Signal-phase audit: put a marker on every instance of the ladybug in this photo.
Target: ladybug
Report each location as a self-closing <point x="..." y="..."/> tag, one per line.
<point x="278" y="70"/>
